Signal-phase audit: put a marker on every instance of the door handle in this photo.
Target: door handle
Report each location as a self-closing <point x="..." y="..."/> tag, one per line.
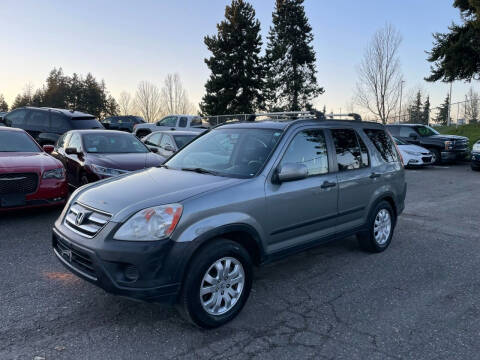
<point x="328" y="184"/>
<point x="374" y="175"/>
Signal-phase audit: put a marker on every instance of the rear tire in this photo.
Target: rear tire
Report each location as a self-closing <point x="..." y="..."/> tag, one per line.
<point x="474" y="167"/>
<point x="381" y="224"/>
<point x="217" y="284"/>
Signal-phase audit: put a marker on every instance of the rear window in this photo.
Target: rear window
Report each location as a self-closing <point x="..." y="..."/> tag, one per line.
<point x="183" y="140"/>
<point x="85" y="123"/>
<point x="384" y="144"/>
<point x="196" y="121"/>
<point x="15" y="141"/>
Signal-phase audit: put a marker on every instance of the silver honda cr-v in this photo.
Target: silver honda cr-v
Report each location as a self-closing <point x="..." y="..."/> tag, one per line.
<point x="242" y="194"/>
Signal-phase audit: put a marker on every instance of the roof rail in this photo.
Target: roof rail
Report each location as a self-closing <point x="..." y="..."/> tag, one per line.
<point x="282" y="115"/>
<point x="355" y="116"/>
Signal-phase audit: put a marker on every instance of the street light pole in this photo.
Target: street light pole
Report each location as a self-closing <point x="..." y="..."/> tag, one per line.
<point x="400" y="112"/>
<point x="449" y="104"/>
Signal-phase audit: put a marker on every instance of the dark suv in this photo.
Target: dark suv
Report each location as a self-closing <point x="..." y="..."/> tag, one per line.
<point x="122" y="123"/>
<point x="46" y="125"/>
<point x="241" y="194"/>
<point x="442" y="147"/>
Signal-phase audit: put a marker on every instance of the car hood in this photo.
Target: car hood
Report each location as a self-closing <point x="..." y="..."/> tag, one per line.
<point x="448" y="137"/>
<point x="414" y="148"/>
<point x="126" y="194"/>
<point x="27" y="160"/>
<point x="130" y="162"/>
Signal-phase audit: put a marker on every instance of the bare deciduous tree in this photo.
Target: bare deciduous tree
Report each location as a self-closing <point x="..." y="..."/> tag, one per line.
<point x="380" y="76"/>
<point x="148" y="101"/>
<point x="125" y="103"/>
<point x="174" y="96"/>
<point x="472" y="106"/>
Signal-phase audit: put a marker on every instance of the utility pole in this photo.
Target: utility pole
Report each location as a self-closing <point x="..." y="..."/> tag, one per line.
<point x="449" y="104"/>
<point x="400" y="112"/>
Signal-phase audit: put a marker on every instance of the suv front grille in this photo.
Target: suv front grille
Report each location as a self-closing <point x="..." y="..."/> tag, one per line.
<point x="18" y="183"/>
<point x="86" y="221"/>
<point x="77" y="259"/>
<point x="461" y="145"/>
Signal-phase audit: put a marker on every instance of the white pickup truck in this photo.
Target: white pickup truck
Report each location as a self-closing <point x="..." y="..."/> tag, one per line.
<point x="170" y="122"/>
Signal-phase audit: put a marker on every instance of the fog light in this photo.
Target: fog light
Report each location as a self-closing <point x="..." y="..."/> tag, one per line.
<point x="131" y="273"/>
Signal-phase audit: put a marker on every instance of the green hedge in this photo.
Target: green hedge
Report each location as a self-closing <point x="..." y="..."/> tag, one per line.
<point x="472" y="131"/>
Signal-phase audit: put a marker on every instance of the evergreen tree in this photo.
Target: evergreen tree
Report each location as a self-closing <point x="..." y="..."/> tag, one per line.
<point x="426" y="111"/>
<point x="290" y="59"/>
<point x="442" y="116"/>
<point x="3" y="104"/>
<point x="236" y="78"/>
<point x="456" y="54"/>
<point x="415" y="109"/>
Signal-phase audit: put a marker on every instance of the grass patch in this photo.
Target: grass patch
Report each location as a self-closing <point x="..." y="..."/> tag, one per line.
<point x="472" y="131"/>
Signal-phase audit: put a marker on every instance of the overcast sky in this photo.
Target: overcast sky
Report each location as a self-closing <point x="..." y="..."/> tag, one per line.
<point x="124" y="42"/>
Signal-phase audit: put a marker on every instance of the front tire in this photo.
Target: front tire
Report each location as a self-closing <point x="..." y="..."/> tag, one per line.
<point x="217" y="284"/>
<point x="475" y="167"/>
<point x="436" y="157"/>
<point x="381" y="224"/>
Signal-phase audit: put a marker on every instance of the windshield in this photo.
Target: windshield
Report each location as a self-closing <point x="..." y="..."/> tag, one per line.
<point x="16" y="141"/>
<point x="182" y="140"/>
<point x="110" y="143"/>
<point x="399" y="142"/>
<point x="426" y="130"/>
<point x="86" y="123"/>
<point x="228" y="152"/>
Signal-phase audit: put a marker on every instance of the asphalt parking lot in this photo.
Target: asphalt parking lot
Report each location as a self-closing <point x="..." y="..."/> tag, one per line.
<point x="418" y="300"/>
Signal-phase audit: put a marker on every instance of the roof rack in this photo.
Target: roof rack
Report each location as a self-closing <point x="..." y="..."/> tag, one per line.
<point x="355" y="116"/>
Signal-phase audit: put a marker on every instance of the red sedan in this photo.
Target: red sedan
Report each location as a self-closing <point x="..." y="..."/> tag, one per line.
<point x="29" y="177"/>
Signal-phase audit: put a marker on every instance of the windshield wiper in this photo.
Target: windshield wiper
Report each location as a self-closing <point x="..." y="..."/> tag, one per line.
<point x="200" y="170"/>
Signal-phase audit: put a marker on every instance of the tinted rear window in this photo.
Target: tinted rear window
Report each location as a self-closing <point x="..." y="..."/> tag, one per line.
<point x="183" y="140"/>
<point x="384" y="144"/>
<point x="85" y="123"/>
<point x="15" y="141"/>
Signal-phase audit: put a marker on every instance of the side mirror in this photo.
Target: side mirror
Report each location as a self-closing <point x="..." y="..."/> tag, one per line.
<point x="48" y="148"/>
<point x="153" y="149"/>
<point x="169" y="148"/>
<point x="71" y="151"/>
<point x="413" y="136"/>
<point x="291" y="172"/>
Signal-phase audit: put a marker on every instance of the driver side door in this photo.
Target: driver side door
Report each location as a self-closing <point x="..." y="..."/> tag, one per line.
<point x="305" y="210"/>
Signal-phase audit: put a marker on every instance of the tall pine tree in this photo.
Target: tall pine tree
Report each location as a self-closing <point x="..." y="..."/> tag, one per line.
<point x="442" y="116"/>
<point x="236" y="79"/>
<point x="3" y="103"/>
<point x="290" y="59"/>
<point x="426" y="111"/>
<point x="415" y="109"/>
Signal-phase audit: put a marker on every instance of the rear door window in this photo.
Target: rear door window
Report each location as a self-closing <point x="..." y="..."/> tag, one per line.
<point x="58" y="122"/>
<point x="383" y="143"/>
<point x="38" y="119"/>
<point x="351" y="151"/>
<point x="308" y="147"/>
<point x="182" y="122"/>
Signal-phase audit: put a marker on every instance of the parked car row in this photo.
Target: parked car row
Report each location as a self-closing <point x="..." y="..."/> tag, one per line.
<point x="171" y="122"/>
<point x="122" y="123"/>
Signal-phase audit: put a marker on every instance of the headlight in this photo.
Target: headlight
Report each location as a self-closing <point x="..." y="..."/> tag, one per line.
<point x="413" y="153"/>
<point x="54" y="174"/>
<point x="449" y="145"/>
<point x="476" y="146"/>
<point x="151" y="224"/>
<point x="100" y="170"/>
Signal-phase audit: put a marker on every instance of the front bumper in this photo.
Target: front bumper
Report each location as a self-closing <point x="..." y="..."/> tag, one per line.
<point x="475" y="159"/>
<point x="454" y="155"/>
<point x="50" y="192"/>
<point x="420" y="160"/>
<point x="147" y="271"/>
